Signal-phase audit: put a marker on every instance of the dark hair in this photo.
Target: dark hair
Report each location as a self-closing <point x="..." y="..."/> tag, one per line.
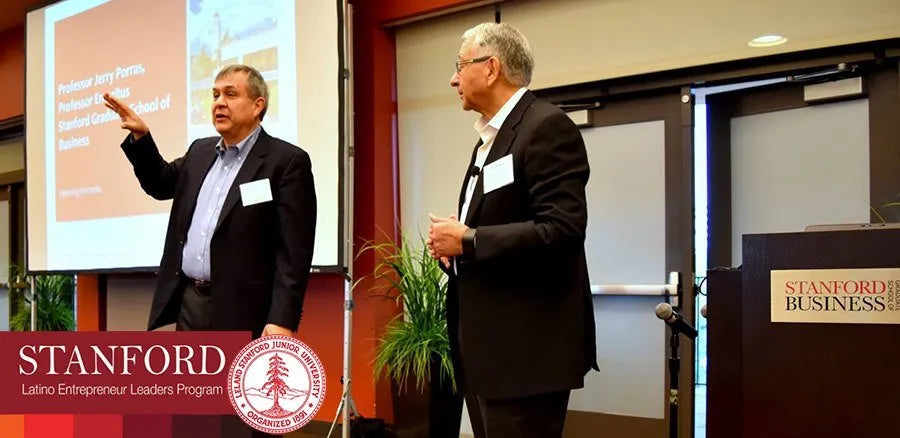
<point x="255" y="82"/>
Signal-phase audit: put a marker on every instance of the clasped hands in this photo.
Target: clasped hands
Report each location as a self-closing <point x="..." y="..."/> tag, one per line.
<point x="445" y="238"/>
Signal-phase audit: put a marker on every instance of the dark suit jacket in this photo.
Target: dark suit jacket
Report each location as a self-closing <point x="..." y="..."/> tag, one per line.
<point x="520" y="315"/>
<point x="260" y="255"/>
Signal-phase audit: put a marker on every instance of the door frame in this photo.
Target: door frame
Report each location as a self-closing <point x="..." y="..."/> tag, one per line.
<point x="674" y="106"/>
<point x="881" y="87"/>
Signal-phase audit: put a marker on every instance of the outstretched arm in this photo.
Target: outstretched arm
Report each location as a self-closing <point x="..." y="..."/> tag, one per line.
<point x="157" y="177"/>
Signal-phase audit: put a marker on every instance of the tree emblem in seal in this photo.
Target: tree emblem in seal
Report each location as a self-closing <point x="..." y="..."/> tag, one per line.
<point x="276" y="384"/>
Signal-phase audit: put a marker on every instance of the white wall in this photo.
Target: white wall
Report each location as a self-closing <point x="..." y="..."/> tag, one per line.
<point x="12" y="155"/>
<point x="436" y="136"/>
<point x="585" y="40"/>
<point x="799" y="167"/>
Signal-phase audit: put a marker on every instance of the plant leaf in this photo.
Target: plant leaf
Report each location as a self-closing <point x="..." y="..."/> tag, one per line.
<point x="412" y="342"/>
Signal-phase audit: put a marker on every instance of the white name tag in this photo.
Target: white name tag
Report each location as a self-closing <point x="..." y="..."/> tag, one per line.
<point x="498" y="174"/>
<point x="256" y="192"/>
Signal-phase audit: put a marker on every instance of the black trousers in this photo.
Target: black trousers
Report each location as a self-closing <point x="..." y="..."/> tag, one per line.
<point x="196" y="308"/>
<point x="537" y="416"/>
<point x="195" y="313"/>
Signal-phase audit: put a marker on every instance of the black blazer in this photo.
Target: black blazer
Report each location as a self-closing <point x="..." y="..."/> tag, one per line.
<point x="519" y="310"/>
<point x="260" y="255"/>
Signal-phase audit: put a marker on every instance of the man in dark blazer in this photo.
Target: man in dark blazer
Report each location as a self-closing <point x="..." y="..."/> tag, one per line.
<point x="519" y="310"/>
<point x="240" y="238"/>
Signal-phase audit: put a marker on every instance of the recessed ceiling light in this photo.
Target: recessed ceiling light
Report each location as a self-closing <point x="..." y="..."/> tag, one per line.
<point x="767" y="41"/>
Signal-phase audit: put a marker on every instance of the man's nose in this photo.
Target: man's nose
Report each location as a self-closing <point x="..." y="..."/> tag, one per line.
<point x="454" y="80"/>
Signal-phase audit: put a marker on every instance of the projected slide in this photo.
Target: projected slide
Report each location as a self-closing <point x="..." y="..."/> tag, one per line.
<point x="85" y="132"/>
<point x="86" y="209"/>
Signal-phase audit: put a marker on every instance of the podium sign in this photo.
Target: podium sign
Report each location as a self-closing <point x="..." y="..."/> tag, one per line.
<point x="851" y="296"/>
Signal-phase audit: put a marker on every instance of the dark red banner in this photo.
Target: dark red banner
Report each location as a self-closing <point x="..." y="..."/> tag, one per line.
<point x="117" y="372"/>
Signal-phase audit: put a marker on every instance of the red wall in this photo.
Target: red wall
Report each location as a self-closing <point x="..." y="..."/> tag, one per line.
<point x="375" y="205"/>
<point x="12" y="72"/>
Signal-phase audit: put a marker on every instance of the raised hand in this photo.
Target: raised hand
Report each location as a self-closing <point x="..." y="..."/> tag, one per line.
<point x="130" y="120"/>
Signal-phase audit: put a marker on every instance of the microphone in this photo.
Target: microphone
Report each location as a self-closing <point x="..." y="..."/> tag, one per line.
<point x="474" y="171"/>
<point x="665" y="312"/>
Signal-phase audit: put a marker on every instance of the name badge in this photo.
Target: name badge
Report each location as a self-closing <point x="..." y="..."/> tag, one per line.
<point x="256" y="192"/>
<point x="498" y="174"/>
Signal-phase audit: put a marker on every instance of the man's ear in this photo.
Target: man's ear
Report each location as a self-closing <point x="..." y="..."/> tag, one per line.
<point x="493" y="66"/>
<point x="258" y="106"/>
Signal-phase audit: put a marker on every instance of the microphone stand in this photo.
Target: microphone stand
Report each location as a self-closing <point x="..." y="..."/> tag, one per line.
<point x="674" y="368"/>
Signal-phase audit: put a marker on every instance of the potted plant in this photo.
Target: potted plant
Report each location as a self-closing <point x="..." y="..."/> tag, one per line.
<point x="890" y="209"/>
<point x="53" y="295"/>
<point x="415" y="348"/>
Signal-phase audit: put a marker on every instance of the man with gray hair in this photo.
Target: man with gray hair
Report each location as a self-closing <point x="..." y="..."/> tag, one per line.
<point x="519" y="309"/>
<point x="240" y="239"/>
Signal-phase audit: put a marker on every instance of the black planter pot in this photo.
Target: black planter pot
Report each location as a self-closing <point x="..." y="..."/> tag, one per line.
<point x="444" y="407"/>
<point x="432" y="413"/>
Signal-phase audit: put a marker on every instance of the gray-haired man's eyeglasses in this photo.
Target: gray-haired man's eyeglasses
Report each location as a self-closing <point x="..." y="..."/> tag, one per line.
<point x="461" y="63"/>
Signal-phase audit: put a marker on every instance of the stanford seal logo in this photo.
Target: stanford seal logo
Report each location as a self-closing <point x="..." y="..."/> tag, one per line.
<point x="276" y="384"/>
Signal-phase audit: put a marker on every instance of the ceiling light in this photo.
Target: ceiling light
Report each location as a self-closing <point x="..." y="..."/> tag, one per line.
<point x="767" y="41"/>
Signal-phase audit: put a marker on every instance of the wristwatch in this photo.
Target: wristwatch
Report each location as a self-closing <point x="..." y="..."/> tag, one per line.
<point x="468" y="242"/>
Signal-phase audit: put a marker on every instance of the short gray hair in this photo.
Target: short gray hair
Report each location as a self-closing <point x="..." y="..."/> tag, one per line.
<point x="508" y="45"/>
<point x="255" y="82"/>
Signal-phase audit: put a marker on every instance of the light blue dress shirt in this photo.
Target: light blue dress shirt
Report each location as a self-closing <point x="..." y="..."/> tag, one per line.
<point x="195" y="256"/>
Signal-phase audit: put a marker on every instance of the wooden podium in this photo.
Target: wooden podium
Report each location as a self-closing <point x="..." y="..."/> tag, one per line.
<point x="800" y="380"/>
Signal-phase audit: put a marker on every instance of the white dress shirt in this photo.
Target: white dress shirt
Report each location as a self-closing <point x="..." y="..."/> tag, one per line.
<point x="487" y="130"/>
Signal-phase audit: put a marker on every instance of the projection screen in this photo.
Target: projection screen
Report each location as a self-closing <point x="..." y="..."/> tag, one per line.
<point x="86" y="210"/>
